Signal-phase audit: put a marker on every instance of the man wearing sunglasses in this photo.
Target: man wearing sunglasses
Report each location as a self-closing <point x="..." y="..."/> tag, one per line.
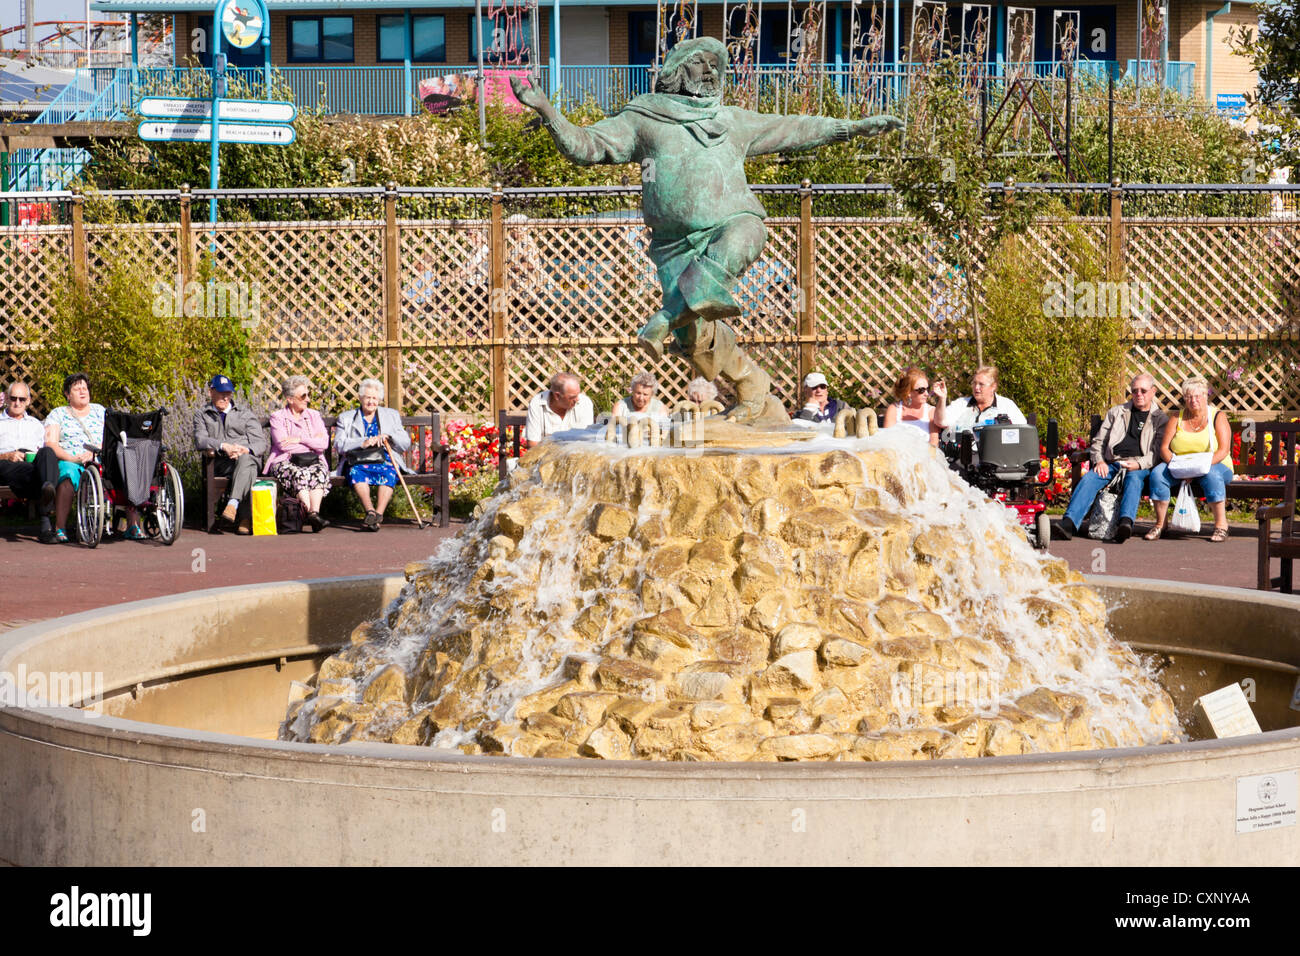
<point x="1126" y="440"/>
<point x="818" y="406"/>
<point x="26" y="464"/>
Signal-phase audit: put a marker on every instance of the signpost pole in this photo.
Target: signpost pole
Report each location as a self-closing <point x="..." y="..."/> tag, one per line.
<point x="218" y="74"/>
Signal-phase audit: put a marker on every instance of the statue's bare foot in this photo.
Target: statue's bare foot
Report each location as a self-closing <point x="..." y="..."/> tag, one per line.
<point x="651" y="336"/>
<point x="763" y="410"/>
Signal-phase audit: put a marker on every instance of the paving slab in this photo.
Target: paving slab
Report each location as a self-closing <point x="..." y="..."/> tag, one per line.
<point x="44" y="581"/>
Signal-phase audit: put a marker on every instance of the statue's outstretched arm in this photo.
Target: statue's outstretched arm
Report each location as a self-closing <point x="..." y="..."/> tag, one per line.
<point x="774" y="133"/>
<point x="612" y="140"/>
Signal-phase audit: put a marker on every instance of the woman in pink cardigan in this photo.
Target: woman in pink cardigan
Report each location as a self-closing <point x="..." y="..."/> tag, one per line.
<point x="298" y="439"/>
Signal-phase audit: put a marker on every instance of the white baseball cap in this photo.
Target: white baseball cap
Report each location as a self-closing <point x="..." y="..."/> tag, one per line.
<point x="813" y="379"/>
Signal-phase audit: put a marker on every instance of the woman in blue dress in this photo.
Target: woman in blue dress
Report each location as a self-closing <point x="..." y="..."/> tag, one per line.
<point x="360" y="437"/>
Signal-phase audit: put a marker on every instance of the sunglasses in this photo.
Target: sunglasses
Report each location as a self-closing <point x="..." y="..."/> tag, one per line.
<point x="818" y="388"/>
<point x="19" y="398"/>
<point x="921" y="388"/>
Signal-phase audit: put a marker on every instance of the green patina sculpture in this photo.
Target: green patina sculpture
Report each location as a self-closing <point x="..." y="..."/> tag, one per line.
<point x="706" y="224"/>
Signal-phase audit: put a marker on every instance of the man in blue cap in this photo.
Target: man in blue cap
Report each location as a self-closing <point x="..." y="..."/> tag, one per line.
<point x="236" y="438"/>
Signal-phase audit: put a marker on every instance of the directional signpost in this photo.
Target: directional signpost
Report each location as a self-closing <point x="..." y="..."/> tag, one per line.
<point x="260" y="122"/>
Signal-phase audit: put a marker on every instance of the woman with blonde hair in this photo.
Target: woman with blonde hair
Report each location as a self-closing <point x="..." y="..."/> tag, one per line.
<point x="912" y="407"/>
<point x="1199" y="427"/>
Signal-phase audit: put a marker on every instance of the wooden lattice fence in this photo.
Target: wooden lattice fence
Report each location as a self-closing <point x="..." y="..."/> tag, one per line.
<point x="410" y="300"/>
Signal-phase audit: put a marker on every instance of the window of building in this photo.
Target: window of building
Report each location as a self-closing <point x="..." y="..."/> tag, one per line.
<point x="320" y="40"/>
<point x="428" y="39"/>
<point x="504" y="39"/>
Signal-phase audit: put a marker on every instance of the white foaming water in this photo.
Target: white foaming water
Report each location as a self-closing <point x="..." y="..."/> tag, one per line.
<point x="977" y="600"/>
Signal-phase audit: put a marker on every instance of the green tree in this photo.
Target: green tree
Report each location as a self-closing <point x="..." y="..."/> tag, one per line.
<point x="1274" y="54"/>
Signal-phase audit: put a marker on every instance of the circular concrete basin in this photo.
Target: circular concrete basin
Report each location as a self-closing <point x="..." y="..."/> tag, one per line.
<point x="173" y="760"/>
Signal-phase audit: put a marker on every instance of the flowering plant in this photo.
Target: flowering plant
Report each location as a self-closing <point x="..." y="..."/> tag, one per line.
<point x="472" y="448"/>
<point x="1059" y="489"/>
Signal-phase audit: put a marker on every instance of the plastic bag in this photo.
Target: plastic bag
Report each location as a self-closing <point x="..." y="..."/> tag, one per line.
<point x="1104" y="516"/>
<point x="263" y="502"/>
<point x="1185" y="516"/>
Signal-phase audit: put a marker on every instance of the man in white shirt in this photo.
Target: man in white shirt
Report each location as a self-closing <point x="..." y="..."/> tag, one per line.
<point x="22" y="434"/>
<point x="561" y="407"/>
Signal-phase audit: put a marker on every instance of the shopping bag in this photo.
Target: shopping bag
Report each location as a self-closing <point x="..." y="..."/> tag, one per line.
<point x="288" y="516"/>
<point x="263" y="501"/>
<point x="1186" y="517"/>
<point x="1104" y="516"/>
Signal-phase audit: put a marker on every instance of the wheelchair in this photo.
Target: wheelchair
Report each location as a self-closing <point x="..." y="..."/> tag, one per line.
<point x="131" y="468"/>
<point x="1001" y="460"/>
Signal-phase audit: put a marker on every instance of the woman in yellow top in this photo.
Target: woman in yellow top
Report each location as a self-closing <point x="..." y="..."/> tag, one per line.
<point x="1198" y="428"/>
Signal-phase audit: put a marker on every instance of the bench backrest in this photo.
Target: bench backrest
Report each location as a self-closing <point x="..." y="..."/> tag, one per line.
<point x="1272" y="451"/>
<point x="510" y="433"/>
<point x="426" y="441"/>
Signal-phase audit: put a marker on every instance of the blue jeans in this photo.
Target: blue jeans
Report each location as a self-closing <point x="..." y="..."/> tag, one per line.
<point x="1090" y="486"/>
<point x="1211" y="487"/>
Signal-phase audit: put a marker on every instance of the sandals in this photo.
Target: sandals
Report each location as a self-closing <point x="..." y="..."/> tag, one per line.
<point x="372" y="521"/>
<point x="1154" y="533"/>
<point x="60" y="536"/>
<point x="1220" y="535"/>
<point x="136" y="533"/>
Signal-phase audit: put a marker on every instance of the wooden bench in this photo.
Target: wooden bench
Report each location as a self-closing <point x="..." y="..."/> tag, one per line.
<point x="7" y="493"/>
<point x="1277" y="456"/>
<point x="427" y="456"/>
<point x="510" y="433"/>
<point x="1239" y="489"/>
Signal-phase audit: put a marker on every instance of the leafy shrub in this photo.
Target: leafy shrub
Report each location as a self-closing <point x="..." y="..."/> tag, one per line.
<point x="1063" y="367"/>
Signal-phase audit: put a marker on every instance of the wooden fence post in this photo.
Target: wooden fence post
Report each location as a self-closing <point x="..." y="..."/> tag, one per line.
<point x="392" y="304"/>
<point x="497" y="300"/>
<point x="1116" y="236"/>
<point x="186" y="239"/>
<point x="806" y="304"/>
<point x="80" y="259"/>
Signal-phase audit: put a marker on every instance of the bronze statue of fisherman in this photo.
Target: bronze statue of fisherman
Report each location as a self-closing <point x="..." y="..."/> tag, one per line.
<point x="706" y="224"/>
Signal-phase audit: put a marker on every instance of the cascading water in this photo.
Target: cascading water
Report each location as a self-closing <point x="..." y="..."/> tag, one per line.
<point x="836" y="599"/>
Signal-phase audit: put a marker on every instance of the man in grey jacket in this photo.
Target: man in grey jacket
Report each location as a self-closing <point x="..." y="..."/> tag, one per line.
<point x="1126" y="440"/>
<point x="237" y="439"/>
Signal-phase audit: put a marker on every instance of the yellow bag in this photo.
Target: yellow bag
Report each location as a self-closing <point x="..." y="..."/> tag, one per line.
<point x="263" y="502"/>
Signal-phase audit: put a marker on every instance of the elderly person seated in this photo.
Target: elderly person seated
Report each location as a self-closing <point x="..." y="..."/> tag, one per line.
<point x="640" y="401"/>
<point x="912" y="391"/>
<point x="1127" y="440"/>
<point x="1199" y="427"/>
<point x="818" y="406"/>
<point x="70" y="431"/>
<point x="298" y="443"/>
<point x="982" y="406"/>
<point x="369" y="439"/>
<point x="235" y="438"/>
<point x="561" y="407"/>
<point x="27" y="465"/>
<point x="701" y="390"/>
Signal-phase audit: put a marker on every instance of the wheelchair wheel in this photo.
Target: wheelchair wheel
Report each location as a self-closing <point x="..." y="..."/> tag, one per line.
<point x="1043" y="530"/>
<point x="169" y="505"/>
<point x="91" y="509"/>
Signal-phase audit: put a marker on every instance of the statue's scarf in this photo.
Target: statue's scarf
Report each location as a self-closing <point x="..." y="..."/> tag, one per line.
<point x="697" y="113"/>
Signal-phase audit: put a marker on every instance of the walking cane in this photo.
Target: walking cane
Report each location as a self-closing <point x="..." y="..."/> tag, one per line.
<point x="419" y="522"/>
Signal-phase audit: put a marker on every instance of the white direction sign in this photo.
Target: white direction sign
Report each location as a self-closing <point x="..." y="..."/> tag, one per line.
<point x="261" y="134"/>
<point x="253" y="111"/>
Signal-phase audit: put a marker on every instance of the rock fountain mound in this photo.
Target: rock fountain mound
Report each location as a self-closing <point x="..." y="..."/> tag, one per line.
<point x="842" y="600"/>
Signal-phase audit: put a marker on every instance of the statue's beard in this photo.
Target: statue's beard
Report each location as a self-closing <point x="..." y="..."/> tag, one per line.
<point x="701" y="88"/>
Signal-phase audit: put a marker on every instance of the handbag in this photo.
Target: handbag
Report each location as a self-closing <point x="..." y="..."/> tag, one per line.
<point x="303" y="459"/>
<point x="1195" y="465"/>
<point x="288" y="516"/>
<point x="1104" y="516"/>
<point x="1185" y="516"/>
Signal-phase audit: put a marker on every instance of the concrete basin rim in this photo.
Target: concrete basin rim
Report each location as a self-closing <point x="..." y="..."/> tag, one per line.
<point x="76" y="722"/>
